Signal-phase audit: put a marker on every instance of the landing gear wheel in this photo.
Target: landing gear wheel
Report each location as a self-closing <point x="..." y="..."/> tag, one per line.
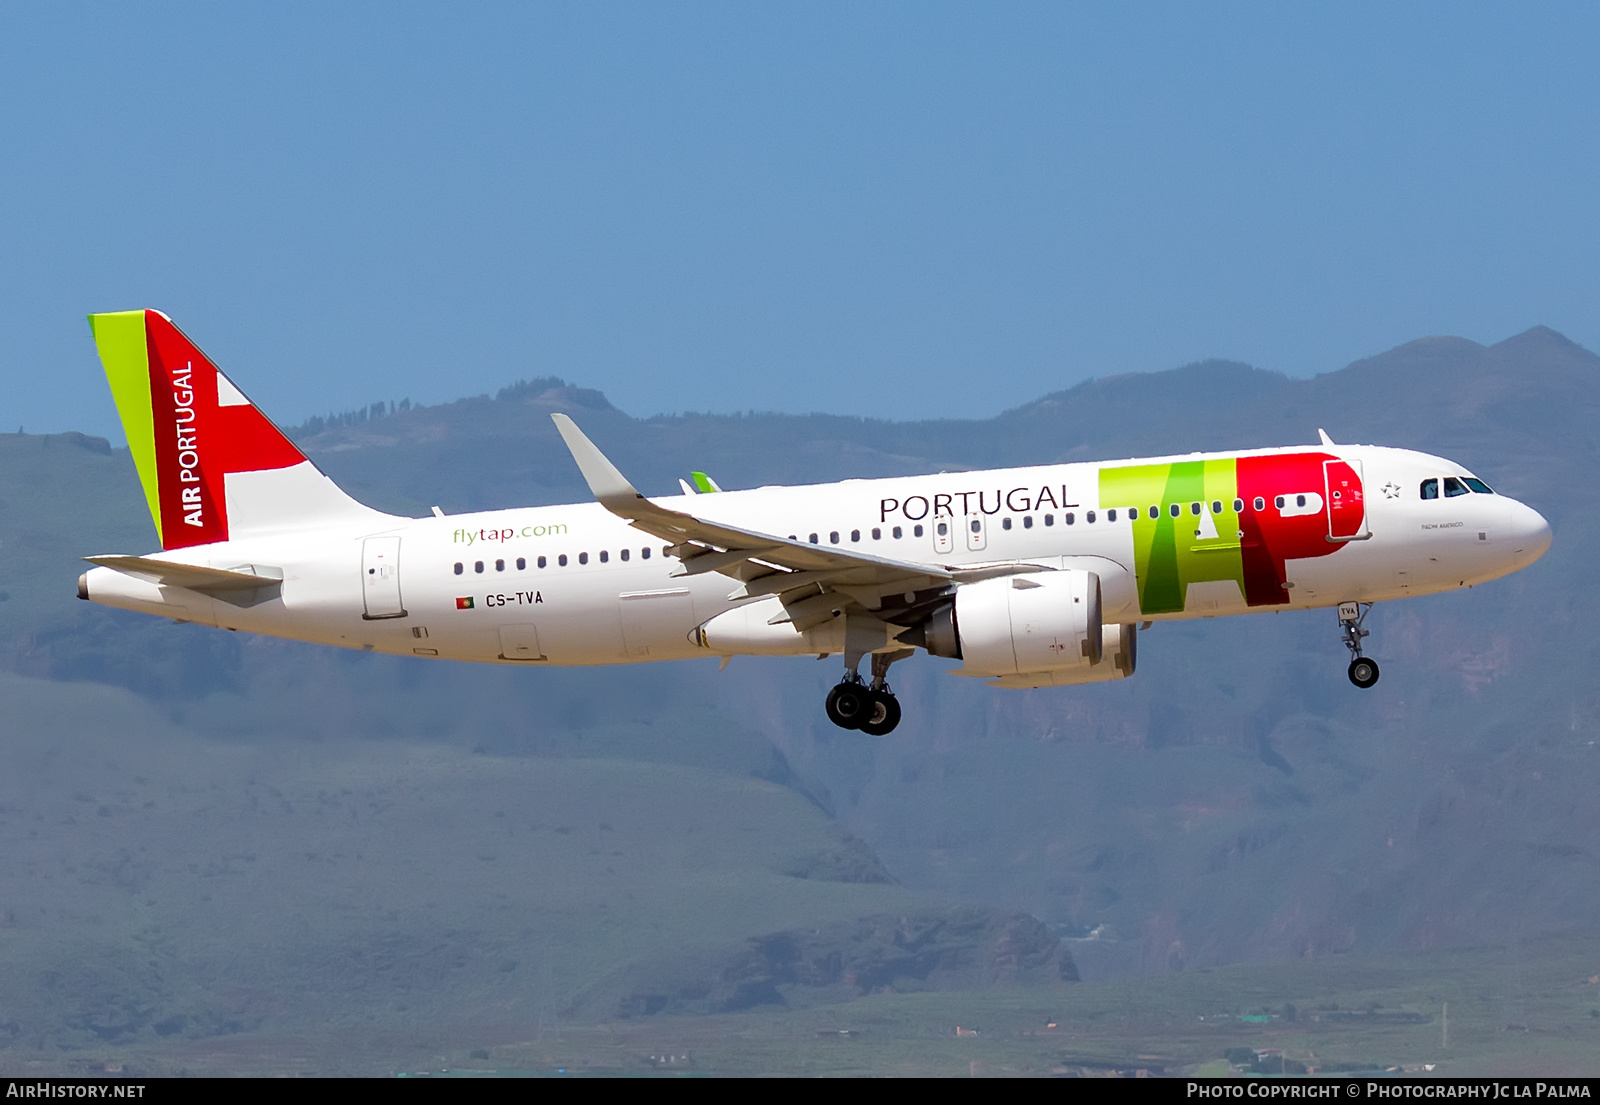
<point x="1363" y="672"/>
<point x="849" y="705"/>
<point x="885" y="715"/>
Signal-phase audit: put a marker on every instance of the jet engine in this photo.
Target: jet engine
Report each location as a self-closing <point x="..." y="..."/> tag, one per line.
<point x="1041" y="629"/>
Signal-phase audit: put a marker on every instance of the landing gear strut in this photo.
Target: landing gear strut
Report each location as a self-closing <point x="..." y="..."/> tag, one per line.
<point x="1363" y="669"/>
<point x="873" y="709"/>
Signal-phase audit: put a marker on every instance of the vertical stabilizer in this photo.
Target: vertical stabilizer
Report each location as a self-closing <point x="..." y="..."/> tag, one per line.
<point x="211" y="464"/>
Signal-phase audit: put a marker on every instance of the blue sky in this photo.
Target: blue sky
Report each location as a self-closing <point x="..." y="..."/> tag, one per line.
<point x="888" y="209"/>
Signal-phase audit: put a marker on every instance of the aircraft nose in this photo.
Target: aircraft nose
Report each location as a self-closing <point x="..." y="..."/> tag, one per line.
<point x="1530" y="533"/>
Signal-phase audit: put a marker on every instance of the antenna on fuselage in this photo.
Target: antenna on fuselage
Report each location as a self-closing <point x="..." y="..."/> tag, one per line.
<point x="1323" y="434"/>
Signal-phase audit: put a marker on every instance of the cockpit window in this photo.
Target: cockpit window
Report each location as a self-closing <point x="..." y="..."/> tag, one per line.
<point x="1477" y="485"/>
<point x="1453" y="487"/>
<point x="1430" y="489"/>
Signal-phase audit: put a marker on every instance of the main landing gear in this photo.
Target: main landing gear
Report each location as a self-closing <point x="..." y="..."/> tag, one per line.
<point x="1363" y="669"/>
<point x="873" y="709"/>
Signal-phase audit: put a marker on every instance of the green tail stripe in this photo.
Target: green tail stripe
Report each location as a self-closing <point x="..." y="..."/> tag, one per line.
<point x="702" y="483"/>
<point x="120" y="337"/>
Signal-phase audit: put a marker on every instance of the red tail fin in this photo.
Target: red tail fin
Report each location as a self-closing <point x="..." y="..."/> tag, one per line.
<point x="190" y="430"/>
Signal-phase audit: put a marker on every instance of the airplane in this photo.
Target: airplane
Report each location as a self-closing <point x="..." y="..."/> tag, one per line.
<point x="1030" y="577"/>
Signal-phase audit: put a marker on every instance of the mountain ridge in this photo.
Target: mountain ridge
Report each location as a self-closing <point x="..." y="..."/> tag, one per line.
<point x="1236" y="800"/>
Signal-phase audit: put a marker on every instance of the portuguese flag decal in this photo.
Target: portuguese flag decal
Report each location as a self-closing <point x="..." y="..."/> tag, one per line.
<point x="464" y="603"/>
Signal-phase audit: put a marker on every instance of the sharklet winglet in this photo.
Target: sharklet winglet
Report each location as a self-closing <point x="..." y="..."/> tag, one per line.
<point x="608" y="485"/>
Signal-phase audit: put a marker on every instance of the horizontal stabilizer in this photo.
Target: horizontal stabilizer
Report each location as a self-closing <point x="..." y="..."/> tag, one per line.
<point x="245" y="585"/>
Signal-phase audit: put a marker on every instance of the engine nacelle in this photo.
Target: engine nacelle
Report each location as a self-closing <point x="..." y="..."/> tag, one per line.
<point x="1038" y="622"/>
<point x="1118" y="656"/>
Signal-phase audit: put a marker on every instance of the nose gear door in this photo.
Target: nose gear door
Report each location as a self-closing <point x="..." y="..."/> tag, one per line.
<point x="380" y="578"/>
<point x="1347" y="507"/>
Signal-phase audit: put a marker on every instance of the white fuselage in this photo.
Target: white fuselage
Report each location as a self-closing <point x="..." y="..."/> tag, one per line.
<point x="577" y="585"/>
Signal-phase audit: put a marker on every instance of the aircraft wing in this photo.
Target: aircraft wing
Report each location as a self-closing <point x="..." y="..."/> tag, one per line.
<point x="810" y="580"/>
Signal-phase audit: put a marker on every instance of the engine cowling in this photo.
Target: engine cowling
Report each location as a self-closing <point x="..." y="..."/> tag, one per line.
<point x="1118" y="656"/>
<point x="1036" y="630"/>
<point x="1041" y="621"/>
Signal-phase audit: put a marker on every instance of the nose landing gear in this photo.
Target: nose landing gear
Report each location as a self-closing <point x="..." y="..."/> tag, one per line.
<point x="874" y="710"/>
<point x="1363" y="669"/>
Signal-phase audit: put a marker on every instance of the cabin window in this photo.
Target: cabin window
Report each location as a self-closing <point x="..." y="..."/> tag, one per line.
<point x="1027" y="521"/>
<point x="1278" y="502"/>
<point x="542" y="562"/>
<point x="834" y="537"/>
<point x="478" y="567"/>
<point x="605" y="556"/>
<point x="522" y="563"/>
<point x="855" y="535"/>
<point x="1068" y="518"/>
<point x="624" y="555"/>
<point x="561" y="561"/>
<point x="916" y="531"/>
<point x="1238" y="506"/>
<point x="583" y="558"/>
<point x="1453" y="487"/>
<point x="977" y="526"/>
<point x="1133" y="514"/>
<point x="896" y="533"/>
<point x="1477" y="485"/>
<point x="1261" y="504"/>
<point x="1005" y="523"/>
<point x="459" y="568"/>
<point x="1216" y="506"/>
<point x="1111" y="515"/>
<point x="813" y="539"/>
<point x="644" y="554"/>
<point x="499" y="565"/>
<point x="1194" y="508"/>
<point x="1088" y="516"/>
<point x="877" y="534"/>
<point x="1299" y="500"/>
<point x="1175" y="509"/>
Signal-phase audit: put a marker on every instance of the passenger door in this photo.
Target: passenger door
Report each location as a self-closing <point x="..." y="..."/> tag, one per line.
<point x="1347" y="508"/>
<point x="380" y="578"/>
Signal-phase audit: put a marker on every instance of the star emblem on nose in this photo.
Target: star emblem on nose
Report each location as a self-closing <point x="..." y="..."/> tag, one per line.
<point x="1391" y="490"/>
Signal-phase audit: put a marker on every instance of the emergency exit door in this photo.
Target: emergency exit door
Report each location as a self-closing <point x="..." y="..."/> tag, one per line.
<point x="380" y="578"/>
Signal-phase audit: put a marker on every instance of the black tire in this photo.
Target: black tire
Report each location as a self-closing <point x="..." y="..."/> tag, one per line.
<point x="848" y="705"/>
<point x="885" y="715"/>
<point x="1363" y="672"/>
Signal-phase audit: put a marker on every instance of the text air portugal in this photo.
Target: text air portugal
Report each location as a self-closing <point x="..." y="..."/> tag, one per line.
<point x="203" y="431"/>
